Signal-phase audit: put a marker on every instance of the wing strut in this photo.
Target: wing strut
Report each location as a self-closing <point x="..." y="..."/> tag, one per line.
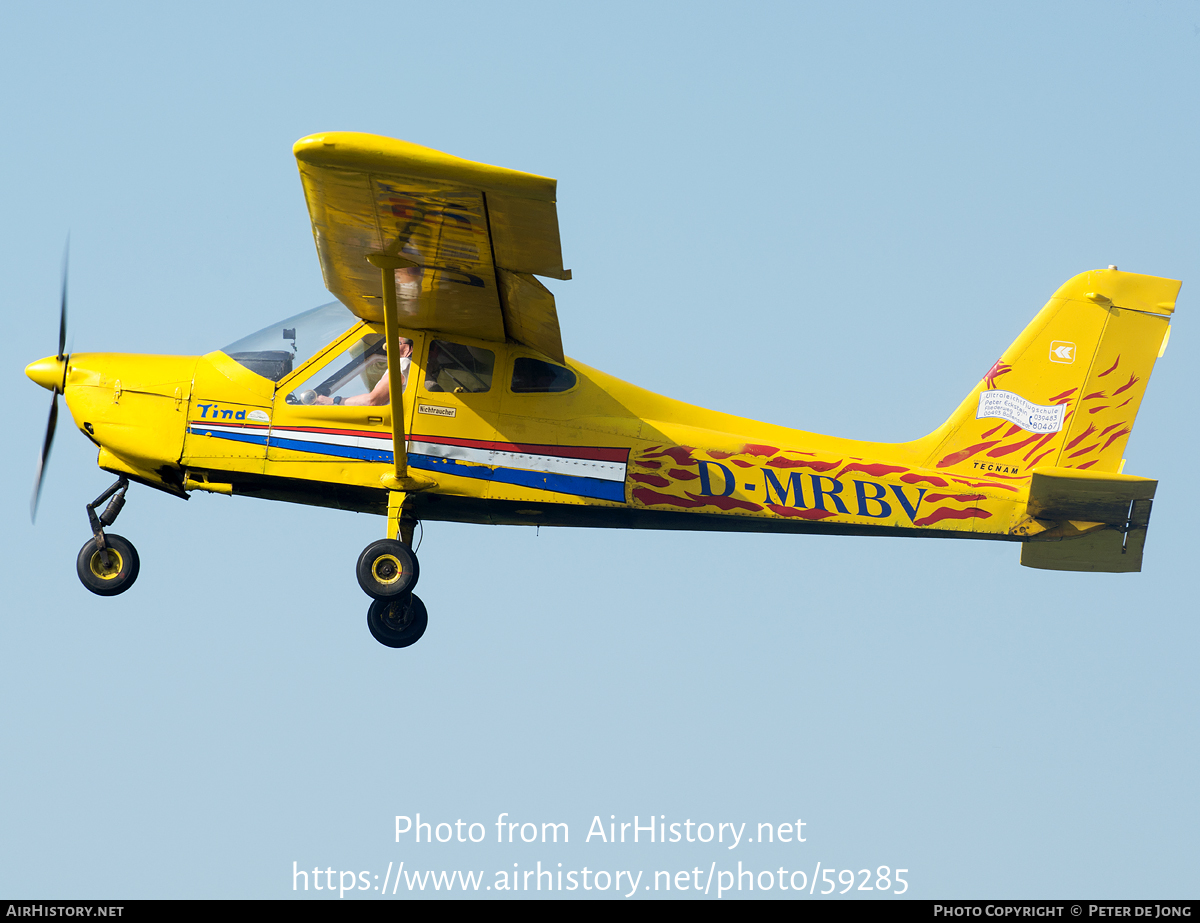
<point x="401" y="483"/>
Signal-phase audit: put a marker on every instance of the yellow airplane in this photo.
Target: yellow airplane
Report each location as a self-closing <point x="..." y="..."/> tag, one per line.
<point x="433" y="261"/>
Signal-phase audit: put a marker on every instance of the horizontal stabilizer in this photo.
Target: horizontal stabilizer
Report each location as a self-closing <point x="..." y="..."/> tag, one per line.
<point x="1068" y="493"/>
<point x="1077" y="501"/>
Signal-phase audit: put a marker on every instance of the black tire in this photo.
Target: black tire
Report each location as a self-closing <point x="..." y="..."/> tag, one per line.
<point x="122" y="570"/>
<point x="398" y="622"/>
<point x="387" y="569"/>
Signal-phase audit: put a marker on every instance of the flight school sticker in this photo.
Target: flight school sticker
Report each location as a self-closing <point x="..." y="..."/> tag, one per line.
<point x="1034" y="418"/>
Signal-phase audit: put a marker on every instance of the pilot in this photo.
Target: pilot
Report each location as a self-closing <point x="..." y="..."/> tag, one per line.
<point x="380" y="394"/>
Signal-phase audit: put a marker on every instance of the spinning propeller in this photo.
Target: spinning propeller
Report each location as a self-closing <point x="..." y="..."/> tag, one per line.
<point x="51" y="374"/>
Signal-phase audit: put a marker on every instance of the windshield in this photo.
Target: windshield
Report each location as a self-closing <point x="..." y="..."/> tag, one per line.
<point x="275" y="350"/>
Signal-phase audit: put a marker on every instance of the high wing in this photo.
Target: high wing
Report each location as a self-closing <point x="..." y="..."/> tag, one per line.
<point x="470" y="237"/>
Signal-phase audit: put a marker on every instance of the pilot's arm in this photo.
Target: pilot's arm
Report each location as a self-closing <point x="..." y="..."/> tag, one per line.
<point x="377" y="396"/>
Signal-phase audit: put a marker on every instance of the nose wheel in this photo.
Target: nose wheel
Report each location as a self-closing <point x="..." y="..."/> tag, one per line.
<point x="109" y="570"/>
<point x="107" y="564"/>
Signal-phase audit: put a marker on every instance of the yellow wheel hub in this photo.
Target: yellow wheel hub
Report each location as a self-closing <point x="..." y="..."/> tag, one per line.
<point x="114" y="564"/>
<point x="387" y="569"/>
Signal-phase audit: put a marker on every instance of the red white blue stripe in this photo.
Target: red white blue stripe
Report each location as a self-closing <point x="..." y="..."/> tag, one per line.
<point x="584" y="471"/>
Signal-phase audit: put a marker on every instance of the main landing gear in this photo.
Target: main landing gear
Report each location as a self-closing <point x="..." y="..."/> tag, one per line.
<point x="398" y="622"/>
<point x="387" y="571"/>
<point x="107" y="564"/>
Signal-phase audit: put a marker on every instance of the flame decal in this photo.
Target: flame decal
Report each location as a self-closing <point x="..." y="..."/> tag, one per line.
<point x="801" y="463"/>
<point x="963" y="454"/>
<point x="1078" y="439"/>
<point x="681" y="455"/>
<point x="1007" y="449"/>
<point x="794" y="513"/>
<point x="726" y="503"/>
<point x="669" y="487"/>
<point x="1041" y="442"/>
<point x="984" y="484"/>
<point x="1133" y="379"/>
<point x="1000" y="367"/>
<point x="1115" y="436"/>
<point x="653" y="498"/>
<point x="947" y="512"/>
<point x="875" y="471"/>
<point x="1064" y="394"/>
<point x="1112" y="369"/>
<point x="930" y="479"/>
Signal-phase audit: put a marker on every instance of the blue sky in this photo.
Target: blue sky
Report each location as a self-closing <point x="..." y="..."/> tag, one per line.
<point x="828" y="217"/>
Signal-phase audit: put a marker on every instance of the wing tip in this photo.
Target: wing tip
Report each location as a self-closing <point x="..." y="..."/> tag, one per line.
<point x="354" y="150"/>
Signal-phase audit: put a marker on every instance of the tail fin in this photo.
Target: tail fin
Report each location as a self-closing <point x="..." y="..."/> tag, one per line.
<point x="1065" y="394"/>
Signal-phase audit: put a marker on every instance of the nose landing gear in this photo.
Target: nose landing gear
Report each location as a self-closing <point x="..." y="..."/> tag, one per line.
<point x="109" y="570"/>
<point x="107" y="564"/>
<point x="387" y="571"/>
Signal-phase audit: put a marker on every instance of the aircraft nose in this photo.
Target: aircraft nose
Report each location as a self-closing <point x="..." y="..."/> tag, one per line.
<point x="50" y="372"/>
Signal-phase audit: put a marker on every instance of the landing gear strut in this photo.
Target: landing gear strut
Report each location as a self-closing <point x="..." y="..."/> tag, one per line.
<point x="387" y="571"/>
<point x="107" y="564"/>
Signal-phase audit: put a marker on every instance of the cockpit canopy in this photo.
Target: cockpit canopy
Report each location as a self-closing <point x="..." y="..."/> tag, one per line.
<point x="277" y="349"/>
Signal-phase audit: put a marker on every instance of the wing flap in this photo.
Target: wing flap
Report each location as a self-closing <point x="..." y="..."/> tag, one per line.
<point x="529" y="314"/>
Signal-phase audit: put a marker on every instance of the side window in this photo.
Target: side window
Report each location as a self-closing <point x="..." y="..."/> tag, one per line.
<point x="457" y="368"/>
<point x="533" y="375"/>
<point x="355" y="377"/>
